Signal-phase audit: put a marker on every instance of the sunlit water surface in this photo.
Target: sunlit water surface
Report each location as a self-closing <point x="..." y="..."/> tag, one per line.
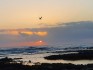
<point x="36" y="55"/>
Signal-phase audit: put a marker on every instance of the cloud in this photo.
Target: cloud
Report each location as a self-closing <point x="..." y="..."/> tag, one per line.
<point x="70" y="33"/>
<point x="80" y="24"/>
<point x="40" y="33"/>
<point x="77" y="33"/>
<point x="23" y="32"/>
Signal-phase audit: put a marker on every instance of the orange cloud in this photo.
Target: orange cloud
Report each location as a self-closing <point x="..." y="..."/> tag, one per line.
<point x="14" y="32"/>
<point x="24" y="32"/>
<point x="27" y="32"/>
<point x="41" y="33"/>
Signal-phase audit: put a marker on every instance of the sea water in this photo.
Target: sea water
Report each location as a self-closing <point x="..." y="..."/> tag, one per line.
<point x="37" y="54"/>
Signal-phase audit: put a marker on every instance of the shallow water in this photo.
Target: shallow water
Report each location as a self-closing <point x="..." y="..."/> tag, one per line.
<point x="39" y="58"/>
<point x="36" y="55"/>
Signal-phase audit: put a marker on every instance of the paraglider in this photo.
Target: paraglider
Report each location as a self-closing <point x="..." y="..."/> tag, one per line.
<point x="40" y="18"/>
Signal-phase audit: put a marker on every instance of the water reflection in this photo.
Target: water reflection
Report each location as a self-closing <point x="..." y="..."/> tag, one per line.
<point x="38" y="58"/>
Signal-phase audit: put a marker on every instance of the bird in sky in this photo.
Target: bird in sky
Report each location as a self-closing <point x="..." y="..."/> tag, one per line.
<point x="40" y="18"/>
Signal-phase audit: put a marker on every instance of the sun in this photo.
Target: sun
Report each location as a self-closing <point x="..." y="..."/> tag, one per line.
<point x="40" y="41"/>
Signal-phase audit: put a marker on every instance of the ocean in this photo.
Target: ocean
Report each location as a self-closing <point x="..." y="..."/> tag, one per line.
<point x="37" y="54"/>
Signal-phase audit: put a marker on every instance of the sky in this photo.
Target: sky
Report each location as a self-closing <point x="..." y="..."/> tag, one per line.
<point x="64" y="22"/>
<point x="25" y="13"/>
<point x="64" y="35"/>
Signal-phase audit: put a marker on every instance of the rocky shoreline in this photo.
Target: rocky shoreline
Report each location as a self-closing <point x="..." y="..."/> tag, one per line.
<point x="8" y="64"/>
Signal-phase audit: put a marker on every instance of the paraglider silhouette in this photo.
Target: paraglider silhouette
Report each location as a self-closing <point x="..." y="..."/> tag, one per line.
<point x="40" y="18"/>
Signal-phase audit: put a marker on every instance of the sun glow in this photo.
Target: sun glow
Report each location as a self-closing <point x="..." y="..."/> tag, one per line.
<point x="40" y="41"/>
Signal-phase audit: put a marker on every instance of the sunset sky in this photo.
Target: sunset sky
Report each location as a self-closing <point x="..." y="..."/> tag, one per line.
<point x="25" y="13"/>
<point x="20" y="24"/>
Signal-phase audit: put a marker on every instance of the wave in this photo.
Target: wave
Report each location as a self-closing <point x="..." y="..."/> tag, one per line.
<point x="31" y="50"/>
<point x="35" y="50"/>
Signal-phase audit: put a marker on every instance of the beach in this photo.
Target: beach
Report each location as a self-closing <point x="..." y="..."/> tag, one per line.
<point x="48" y="58"/>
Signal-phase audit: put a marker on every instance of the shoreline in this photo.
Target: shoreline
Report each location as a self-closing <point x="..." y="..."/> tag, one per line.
<point x="8" y="64"/>
<point x="81" y="55"/>
<point x="12" y="64"/>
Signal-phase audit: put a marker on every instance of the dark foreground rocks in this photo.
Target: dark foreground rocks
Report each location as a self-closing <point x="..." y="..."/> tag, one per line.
<point x="81" y="55"/>
<point x="9" y="64"/>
